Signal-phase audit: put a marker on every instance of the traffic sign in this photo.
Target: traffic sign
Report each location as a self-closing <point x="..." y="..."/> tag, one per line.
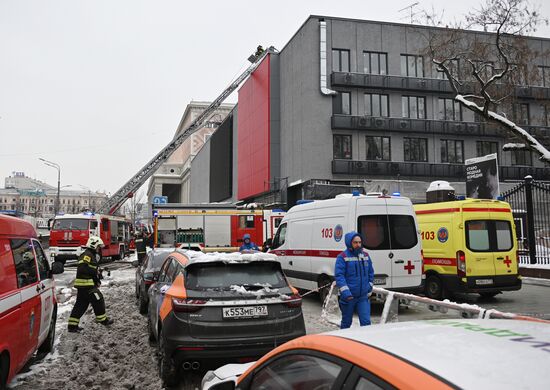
<point x="160" y="199"/>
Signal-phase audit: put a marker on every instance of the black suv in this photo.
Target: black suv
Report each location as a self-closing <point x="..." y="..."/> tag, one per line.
<point x="206" y="310"/>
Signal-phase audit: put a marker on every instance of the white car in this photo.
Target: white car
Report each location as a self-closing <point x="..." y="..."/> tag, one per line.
<point x="431" y="354"/>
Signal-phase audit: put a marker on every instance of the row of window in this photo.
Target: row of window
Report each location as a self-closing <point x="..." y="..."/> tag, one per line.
<point x="378" y="148"/>
<point x="414" y="107"/>
<point x="413" y="66"/>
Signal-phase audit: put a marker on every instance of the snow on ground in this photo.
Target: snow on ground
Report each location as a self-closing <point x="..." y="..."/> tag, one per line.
<point x="117" y="357"/>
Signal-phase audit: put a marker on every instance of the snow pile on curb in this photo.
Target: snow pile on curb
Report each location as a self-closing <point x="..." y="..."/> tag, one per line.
<point x="117" y="357"/>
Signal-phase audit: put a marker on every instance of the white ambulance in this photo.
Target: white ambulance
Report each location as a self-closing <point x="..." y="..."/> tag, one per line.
<point x="311" y="235"/>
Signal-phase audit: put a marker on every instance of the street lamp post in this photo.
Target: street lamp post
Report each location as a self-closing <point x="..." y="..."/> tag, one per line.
<point x="89" y="196"/>
<point x="56" y="166"/>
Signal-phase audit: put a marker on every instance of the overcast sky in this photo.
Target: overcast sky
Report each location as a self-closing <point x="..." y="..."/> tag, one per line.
<point x="99" y="87"/>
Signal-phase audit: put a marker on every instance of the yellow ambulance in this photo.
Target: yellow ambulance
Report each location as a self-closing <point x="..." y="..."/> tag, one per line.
<point x="468" y="246"/>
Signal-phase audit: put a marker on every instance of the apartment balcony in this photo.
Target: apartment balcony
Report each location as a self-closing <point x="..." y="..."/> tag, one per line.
<point x="430" y="126"/>
<point x="421" y="84"/>
<point x="428" y="170"/>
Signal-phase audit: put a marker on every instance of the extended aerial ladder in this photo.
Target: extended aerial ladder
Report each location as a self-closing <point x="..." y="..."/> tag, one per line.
<point x="127" y="190"/>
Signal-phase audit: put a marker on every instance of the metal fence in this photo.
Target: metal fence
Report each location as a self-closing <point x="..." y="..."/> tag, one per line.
<point x="530" y="203"/>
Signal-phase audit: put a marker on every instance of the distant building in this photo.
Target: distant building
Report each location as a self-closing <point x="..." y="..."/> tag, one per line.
<point x="37" y="199"/>
<point x="173" y="177"/>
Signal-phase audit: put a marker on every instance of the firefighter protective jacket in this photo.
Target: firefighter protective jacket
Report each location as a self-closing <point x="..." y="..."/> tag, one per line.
<point x="86" y="272"/>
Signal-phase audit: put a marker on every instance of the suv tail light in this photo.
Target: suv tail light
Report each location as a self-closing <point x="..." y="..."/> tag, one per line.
<point x="295" y="300"/>
<point x="184" y="305"/>
<point x="460" y="264"/>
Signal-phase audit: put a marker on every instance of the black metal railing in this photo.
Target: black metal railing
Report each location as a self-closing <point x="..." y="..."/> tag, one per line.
<point x="422" y="84"/>
<point x="530" y="203"/>
<point x="430" y="126"/>
<point x="427" y="170"/>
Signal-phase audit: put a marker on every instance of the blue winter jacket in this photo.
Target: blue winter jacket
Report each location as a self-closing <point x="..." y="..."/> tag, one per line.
<point x="353" y="271"/>
<point x="249" y="246"/>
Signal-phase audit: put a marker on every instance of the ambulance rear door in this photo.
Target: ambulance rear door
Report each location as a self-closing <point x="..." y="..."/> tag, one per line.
<point x="478" y="229"/>
<point x="505" y="243"/>
<point x="372" y="223"/>
<point x="405" y="255"/>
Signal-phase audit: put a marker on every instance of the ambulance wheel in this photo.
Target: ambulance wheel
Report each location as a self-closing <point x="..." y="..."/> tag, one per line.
<point x="489" y="294"/>
<point x="167" y="370"/>
<point x="434" y="287"/>
<point x="47" y="345"/>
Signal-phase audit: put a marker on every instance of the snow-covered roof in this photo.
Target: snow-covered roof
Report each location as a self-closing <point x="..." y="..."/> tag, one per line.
<point x="235" y="257"/>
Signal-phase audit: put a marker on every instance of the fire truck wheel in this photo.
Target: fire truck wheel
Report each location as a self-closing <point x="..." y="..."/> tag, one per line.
<point x="47" y="345"/>
<point x="434" y="287"/>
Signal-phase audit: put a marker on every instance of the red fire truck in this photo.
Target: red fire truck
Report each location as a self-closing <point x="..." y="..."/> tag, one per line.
<point x="213" y="227"/>
<point x="70" y="232"/>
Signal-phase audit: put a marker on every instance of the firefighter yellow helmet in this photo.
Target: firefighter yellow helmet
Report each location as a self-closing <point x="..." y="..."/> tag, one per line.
<point x="94" y="243"/>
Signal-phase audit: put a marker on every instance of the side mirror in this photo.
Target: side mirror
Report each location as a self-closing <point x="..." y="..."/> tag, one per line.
<point x="135" y="263"/>
<point x="269" y="241"/>
<point x="57" y="268"/>
<point x="156" y="276"/>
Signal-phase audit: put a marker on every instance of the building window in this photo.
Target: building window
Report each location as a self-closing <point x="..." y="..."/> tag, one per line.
<point x="484" y="148"/>
<point x="415" y="149"/>
<point x="452" y="151"/>
<point x="376" y="105"/>
<point x="449" y="110"/>
<point x="544" y="76"/>
<point x="521" y="113"/>
<point x="545" y="113"/>
<point x="341" y="146"/>
<point x="413" y="107"/>
<point x="412" y="66"/>
<point x="342" y="103"/>
<point x="340" y="60"/>
<point x="452" y="65"/>
<point x="375" y="63"/>
<point x="485" y="69"/>
<point x="378" y="148"/>
<point x="522" y="157"/>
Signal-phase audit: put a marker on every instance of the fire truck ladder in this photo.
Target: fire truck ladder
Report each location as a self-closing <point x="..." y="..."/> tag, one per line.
<point x="127" y="190"/>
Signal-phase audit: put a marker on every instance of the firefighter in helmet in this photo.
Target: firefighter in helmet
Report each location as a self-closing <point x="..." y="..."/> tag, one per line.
<point x="87" y="283"/>
<point x="141" y="247"/>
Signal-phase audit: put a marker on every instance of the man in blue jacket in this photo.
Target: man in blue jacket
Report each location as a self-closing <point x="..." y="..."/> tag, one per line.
<point x="354" y="277"/>
<point x="248" y="245"/>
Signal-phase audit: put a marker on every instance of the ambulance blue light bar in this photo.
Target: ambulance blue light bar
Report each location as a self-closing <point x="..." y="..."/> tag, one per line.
<point x="396" y="194"/>
<point x="460" y="197"/>
<point x="303" y="201"/>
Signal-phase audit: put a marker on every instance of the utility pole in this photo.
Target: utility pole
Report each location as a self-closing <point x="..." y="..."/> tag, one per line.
<point x="56" y="166"/>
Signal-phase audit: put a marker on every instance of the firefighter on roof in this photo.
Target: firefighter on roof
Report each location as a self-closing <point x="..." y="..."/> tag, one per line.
<point x="354" y="277"/>
<point x="87" y="283"/>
